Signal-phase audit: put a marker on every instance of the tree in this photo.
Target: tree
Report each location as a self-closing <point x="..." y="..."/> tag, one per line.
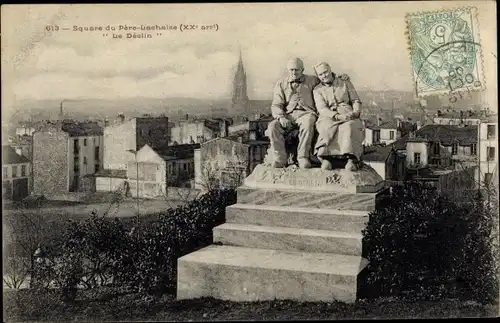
<point x="228" y="174"/>
<point x="28" y="231"/>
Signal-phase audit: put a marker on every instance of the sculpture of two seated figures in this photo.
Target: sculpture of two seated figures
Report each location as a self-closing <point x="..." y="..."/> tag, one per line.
<point x="316" y="119"/>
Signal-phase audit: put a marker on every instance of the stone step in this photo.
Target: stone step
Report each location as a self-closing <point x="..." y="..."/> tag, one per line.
<point x="293" y="239"/>
<point x="296" y="217"/>
<point x="307" y="199"/>
<point x="249" y="274"/>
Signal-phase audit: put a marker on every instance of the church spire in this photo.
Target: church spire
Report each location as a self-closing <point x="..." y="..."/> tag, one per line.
<point x="240" y="98"/>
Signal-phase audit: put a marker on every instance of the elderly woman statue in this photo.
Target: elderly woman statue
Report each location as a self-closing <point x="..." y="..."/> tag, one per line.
<point x="340" y="131"/>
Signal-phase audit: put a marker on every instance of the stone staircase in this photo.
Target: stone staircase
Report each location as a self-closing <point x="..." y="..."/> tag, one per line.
<point x="282" y="244"/>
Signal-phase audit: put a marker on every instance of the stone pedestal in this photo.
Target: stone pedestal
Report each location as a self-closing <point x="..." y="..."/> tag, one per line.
<point x="294" y="234"/>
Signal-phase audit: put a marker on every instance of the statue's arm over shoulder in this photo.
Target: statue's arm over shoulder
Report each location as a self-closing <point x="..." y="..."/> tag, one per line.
<point x="322" y="105"/>
<point x="354" y="98"/>
<point x="279" y="101"/>
<point x="315" y="80"/>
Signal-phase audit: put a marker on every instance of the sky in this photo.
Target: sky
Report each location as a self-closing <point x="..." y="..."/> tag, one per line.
<point x="365" y="40"/>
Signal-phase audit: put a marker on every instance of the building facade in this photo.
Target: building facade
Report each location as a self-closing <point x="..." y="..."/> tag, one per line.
<point x="198" y="131"/>
<point x="23" y="146"/>
<point x="487" y="150"/>
<point x="380" y="132"/>
<point x="16" y="174"/>
<point x="64" y="153"/>
<point x="386" y="161"/>
<point x="255" y="129"/>
<point x="461" y="117"/>
<point x="443" y="145"/>
<point x="124" y="137"/>
<point x="227" y="161"/>
<point x="156" y="169"/>
<point x="25" y="130"/>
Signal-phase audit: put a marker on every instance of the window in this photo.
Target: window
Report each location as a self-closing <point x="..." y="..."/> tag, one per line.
<point x="454" y="148"/>
<point x="5" y="172"/>
<point x="23" y="170"/>
<point x="437" y="147"/>
<point x="487" y="178"/>
<point x="14" y="171"/>
<point x="85" y="160"/>
<point x="97" y="167"/>
<point x="416" y="158"/>
<point x="96" y="153"/>
<point x="185" y="167"/>
<point x="473" y="149"/>
<point x="85" y="142"/>
<point x="490" y="153"/>
<point x="391" y="135"/>
<point x="491" y="131"/>
<point x="76" y="146"/>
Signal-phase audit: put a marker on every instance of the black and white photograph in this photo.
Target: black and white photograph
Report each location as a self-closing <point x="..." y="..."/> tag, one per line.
<point x="250" y="161"/>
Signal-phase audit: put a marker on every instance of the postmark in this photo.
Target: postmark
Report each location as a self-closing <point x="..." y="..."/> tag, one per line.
<point x="445" y="51"/>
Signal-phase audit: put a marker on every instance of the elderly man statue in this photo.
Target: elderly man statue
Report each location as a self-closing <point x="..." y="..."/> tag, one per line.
<point x="293" y="107"/>
<point x="340" y="130"/>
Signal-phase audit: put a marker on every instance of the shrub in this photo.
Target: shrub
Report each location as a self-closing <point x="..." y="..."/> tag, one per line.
<point x="421" y="244"/>
<point x="101" y="251"/>
<point x="150" y="263"/>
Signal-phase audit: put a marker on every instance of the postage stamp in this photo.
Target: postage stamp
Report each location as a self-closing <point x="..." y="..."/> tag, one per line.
<point x="445" y="51"/>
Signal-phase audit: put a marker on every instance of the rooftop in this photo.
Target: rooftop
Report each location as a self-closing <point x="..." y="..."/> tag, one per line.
<point x="372" y="123"/>
<point x="81" y="129"/>
<point x="177" y="151"/>
<point x="400" y="144"/>
<point x="377" y="153"/>
<point x="448" y="134"/>
<point x="22" y="140"/>
<point x="457" y="114"/>
<point x="9" y="156"/>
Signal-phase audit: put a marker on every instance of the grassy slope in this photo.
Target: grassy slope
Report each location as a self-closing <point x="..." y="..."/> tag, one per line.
<point x="27" y="305"/>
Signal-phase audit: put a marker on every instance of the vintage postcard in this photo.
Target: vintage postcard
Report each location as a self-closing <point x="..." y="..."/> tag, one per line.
<point x="250" y="161"/>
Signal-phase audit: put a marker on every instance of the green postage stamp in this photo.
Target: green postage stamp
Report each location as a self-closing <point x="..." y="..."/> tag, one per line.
<point x="445" y="51"/>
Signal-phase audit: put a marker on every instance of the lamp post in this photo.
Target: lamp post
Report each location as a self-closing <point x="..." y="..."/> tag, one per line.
<point x="136" y="179"/>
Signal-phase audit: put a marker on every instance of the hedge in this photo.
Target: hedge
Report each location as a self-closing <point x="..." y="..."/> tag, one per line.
<point x="104" y="252"/>
<point x="422" y="246"/>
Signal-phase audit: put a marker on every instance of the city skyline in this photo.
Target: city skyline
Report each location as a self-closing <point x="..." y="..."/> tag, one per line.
<point x="74" y="65"/>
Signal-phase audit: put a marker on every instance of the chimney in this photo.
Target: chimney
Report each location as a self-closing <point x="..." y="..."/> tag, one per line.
<point x="223" y="127"/>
